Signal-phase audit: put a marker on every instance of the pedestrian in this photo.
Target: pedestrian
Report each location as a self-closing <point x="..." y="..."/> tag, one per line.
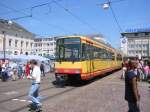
<point x="20" y="71"/>
<point x="132" y="95"/>
<point x="124" y="69"/>
<point x="34" y="90"/>
<point x="42" y="68"/>
<point x="23" y="70"/>
<point x="146" y="71"/>
<point x="14" y="69"/>
<point x="27" y="69"/>
<point x="0" y="70"/>
<point x="140" y="70"/>
<point x="4" y="73"/>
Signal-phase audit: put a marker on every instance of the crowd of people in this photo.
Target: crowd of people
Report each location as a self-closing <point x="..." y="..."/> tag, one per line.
<point x="31" y="70"/>
<point x="143" y="69"/>
<point x="16" y="71"/>
<point x="134" y="70"/>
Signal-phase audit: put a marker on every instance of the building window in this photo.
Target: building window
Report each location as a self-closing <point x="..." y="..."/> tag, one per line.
<point x="27" y="44"/>
<point x="135" y="34"/>
<point x="21" y="43"/>
<point x="10" y="42"/>
<point x="131" y="46"/>
<point x="35" y="44"/>
<point x="139" y="45"/>
<point x="16" y="52"/>
<point x="16" y="43"/>
<point x="146" y="33"/>
<point x="31" y="44"/>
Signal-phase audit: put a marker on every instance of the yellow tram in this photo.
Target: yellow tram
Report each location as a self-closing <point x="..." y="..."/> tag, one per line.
<point x="83" y="58"/>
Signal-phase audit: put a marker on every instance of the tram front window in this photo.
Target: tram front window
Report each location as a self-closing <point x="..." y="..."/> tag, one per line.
<point x="68" y="49"/>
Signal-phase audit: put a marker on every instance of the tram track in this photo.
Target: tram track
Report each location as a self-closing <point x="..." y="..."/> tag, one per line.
<point x="21" y="85"/>
<point x="22" y="95"/>
<point x="48" y="98"/>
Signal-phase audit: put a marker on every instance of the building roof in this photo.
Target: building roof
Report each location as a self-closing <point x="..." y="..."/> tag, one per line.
<point x="136" y="30"/>
<point x="14" y="29"/>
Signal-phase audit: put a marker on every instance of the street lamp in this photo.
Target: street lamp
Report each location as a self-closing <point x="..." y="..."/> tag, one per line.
<point x="4" y="44"/>
<point x="106" y="5"/>
<point x="9" y="22"/>
<point x="4" y="40"/>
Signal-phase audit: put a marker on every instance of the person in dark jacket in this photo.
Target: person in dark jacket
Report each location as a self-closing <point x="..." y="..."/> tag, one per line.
<point x="42" y="69"/>
<point x="131" y="87"/>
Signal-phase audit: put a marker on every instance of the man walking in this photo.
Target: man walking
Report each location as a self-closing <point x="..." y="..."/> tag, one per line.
<point x="131" y="90"/>
<point x="34" y="90"/>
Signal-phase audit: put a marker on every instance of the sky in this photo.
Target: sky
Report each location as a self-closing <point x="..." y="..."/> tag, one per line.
<point x="86" y="17"/>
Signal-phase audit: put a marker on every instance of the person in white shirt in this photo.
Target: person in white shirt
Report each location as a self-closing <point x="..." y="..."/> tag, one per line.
<point x="4" y="73"/>
<point x="14" y="70"/>
<point x="36" y="80"/>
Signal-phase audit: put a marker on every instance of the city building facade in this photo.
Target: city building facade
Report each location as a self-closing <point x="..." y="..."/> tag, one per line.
<point x="14" y="39"/>
<point x="136" y="43"/>
<point x="45" y="46"/>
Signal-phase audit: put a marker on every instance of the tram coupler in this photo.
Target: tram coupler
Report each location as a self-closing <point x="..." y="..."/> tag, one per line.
<point x="61" y="79"/>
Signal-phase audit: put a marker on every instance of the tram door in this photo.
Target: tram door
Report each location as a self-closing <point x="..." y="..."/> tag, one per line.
<point x="90" y="62"/>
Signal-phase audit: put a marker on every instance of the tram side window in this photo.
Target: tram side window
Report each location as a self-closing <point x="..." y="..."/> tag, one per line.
<point x="96" y="53"/>
<point x="90" y="51"/>
<point x="61" y="51"/>
<point x="119" y="57"/>
<point x="110" y="56"/>
<point x="113" y="56"/>
<point x="84" y="56"/>
<point x="87" y="52"/>
<point x="104" y="56"/>
<point x="100" y="53"/>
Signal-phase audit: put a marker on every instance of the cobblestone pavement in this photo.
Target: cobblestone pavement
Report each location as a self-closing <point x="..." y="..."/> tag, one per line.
<point x="103" y="95"/>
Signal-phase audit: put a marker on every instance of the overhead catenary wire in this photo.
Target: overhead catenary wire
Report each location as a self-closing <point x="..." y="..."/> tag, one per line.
<point x="31" y="16"/>
<point x="114" y="15"/>
<point x="61" y="6"/>
<point x="75" y="16"/>
<point x="109" y="2"/>
<point x="28" y="8"/>
<point x="116" y="1"/>
<point x="116" y="19"/>
<point x="112" y="2"/>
